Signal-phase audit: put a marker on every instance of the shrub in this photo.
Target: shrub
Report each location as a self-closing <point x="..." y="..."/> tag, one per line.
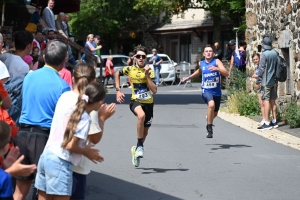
<point x="292" y="115"/>
<point x="236" y="82"/>
<point x="243" y="103"/>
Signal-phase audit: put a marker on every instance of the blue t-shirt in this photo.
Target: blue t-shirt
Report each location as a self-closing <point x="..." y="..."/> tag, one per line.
<point x="40" y="93"/>
<point x="35" y="17"/>
<point x="6" y="187"/>
<point x="157" y="59"/>
<point x="92" y="45"/>
<point x="210" y="79"/>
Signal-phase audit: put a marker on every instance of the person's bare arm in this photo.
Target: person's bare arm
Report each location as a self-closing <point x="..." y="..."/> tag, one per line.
<point x="151" y="84"/>
<point x="194" y="75"/>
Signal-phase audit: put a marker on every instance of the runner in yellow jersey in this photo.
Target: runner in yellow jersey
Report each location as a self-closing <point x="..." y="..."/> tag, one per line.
<point x="141" y="103"/>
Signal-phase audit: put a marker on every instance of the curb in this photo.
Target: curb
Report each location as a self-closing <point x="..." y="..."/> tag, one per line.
<point x="251" y="125"/>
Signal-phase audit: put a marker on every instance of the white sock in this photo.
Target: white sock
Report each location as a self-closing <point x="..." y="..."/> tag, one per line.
<point x="267" y="123"/>
<point x="273" y="121"/>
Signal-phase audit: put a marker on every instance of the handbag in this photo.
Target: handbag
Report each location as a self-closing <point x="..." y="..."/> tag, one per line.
<point x="31" y="27"/>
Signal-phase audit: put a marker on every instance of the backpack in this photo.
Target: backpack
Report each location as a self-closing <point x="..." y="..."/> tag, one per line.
<point x="281" y="69"/>
<point x="13" y="87"/>
<point x="240" y="62"/>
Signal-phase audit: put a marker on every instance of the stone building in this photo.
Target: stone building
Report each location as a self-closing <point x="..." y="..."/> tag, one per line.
<point x="280" y="20"/>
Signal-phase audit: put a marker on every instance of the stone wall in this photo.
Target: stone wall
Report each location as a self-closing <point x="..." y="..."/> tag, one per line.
<point x="280" y="20"/>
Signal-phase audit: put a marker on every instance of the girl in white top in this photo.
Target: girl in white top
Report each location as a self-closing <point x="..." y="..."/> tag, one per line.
<point x="67" y="144"/>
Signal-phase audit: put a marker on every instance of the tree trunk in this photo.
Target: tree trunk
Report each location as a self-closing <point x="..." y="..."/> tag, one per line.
<point x="217" y="28"/>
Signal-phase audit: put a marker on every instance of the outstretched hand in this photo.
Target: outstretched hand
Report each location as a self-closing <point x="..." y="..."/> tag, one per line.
<point x="184" y="79"/>
<point x="106" y="111"/>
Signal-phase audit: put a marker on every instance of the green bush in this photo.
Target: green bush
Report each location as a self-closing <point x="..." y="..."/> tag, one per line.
<point x="292" y="115"/>
<point x="243" y="103"/>
<point x="236" y="82"/>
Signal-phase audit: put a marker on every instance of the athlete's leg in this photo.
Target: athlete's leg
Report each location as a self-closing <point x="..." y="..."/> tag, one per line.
<point x="146" y="129"/>
<point x="210" y="112"/>
<point x="140" y="121"/>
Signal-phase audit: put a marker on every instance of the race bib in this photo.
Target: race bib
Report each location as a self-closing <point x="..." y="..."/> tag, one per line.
<point x="209" y="85"/>
<point x="142" y="94"/>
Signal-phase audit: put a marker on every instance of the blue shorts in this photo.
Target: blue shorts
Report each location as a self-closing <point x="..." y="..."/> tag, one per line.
<point x="207" y="97"/>
<point x="54" y="175"/>
<point x="79" y="186"/>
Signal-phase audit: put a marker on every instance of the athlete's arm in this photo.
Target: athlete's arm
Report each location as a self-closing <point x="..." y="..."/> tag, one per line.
<point x="151" y="84"/>
<point x="194" y="75"/>
<point x="119" y="94"/>
<point x="220" y="68"/>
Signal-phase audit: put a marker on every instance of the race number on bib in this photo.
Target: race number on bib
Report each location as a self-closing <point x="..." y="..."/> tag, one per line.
<point x="209" y="85"/>
<point x="142" y="94"/>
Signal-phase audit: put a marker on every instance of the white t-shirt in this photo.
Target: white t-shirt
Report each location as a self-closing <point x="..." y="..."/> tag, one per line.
<point x="66" y="101"/>
<point x="3" y="71"/>
<point x="16" y="66"/>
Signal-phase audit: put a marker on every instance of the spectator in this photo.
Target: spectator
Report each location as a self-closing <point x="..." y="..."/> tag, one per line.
<point x="235" y="53"/>
<point x="109" y="71"/>
<point x="35" y="20"/>
<point x="36" y="118"/>
<point x="156" y="59"/>
<point x="59" y="24"/>
<point x="4" y="75"/>
<point x="28" y="60"/>
<point x="67" y="19"/>
<point x="38" y="41"/>
<point x="266" y="71"/>
<point x="15" y="63"/>
<point x="228" y="52"/>
<point x="35" y="54"/>
<point x="51" y="35"/>
<point x="255" y="59"/>
<point x="98" y="53"/>
<point x="218" y="51"/>
<point x="8" y="44"/>
<point x="48" y="15"/>
<point x="90" y="45"/>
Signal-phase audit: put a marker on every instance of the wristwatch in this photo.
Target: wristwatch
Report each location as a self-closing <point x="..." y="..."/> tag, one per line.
<point x="117" y="89"/>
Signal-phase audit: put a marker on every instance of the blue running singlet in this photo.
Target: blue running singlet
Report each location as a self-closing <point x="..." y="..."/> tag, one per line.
<point x="210" y="79"/>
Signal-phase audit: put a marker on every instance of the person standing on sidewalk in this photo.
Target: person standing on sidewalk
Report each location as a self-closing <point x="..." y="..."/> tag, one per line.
<point x="266" y="71"/>
<point x="156" y="59"/>
<point x="211" y="70"/>
<point x="141" y="103"/>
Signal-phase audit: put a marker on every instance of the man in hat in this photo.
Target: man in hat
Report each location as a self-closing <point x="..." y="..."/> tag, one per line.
<point x="156" y="59"/>
<point x="266" y="71"/>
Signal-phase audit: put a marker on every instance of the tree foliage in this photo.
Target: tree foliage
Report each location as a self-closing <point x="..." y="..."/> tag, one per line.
<point x="114" y="17"/>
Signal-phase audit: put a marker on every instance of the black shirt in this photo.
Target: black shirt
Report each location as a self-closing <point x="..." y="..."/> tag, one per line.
<point x="220" y="53"/>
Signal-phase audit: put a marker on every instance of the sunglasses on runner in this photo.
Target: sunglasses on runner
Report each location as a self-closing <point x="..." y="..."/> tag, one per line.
<point x="138" y="56"/>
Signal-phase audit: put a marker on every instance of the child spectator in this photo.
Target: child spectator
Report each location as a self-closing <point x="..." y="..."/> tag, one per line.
<point x="6" y="187"/>
<point x="62" y="151"/>
<point x="256" y="59"/>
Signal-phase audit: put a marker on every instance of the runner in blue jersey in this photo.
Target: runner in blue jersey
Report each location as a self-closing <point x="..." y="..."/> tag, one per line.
<point x="211" y="70"/>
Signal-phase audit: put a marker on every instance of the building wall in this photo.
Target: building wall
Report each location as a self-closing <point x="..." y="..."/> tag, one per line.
<point x="280" y="20"/>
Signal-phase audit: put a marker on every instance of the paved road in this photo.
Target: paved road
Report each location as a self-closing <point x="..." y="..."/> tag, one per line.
<point x="181" y="163"/>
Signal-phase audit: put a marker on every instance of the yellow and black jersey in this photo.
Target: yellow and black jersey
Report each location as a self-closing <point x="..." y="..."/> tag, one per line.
<point x="140" y="87"/>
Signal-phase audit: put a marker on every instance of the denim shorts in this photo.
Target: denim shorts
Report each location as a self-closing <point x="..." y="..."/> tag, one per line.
<point x="54" y="175"/>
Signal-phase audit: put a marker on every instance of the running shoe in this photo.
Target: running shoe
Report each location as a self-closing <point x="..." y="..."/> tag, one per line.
<point x="139" y="153"/>
<point x="265" y="127"/>
<point x="135" y="160"/>
<point x="274" y="125"/>
<point x="209" y="131"/>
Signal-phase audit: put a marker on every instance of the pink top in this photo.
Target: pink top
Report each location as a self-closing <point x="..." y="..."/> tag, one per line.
<point x="111" y="65"/>
<point x="66" y="75"/>
<point x="28" y="59"/>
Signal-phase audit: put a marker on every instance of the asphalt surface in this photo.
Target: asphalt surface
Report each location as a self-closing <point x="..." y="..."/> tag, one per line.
<point x="181" y="163"/>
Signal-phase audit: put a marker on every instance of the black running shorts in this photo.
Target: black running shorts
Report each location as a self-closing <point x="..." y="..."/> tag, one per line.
<point x="147" y="108"/>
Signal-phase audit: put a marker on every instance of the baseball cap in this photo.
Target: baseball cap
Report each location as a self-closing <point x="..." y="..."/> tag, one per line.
<point x="98" y="37"/>
<point x="153" y="50"/>
<point x="267" y="43"/>
<point x="231" y="42"/>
